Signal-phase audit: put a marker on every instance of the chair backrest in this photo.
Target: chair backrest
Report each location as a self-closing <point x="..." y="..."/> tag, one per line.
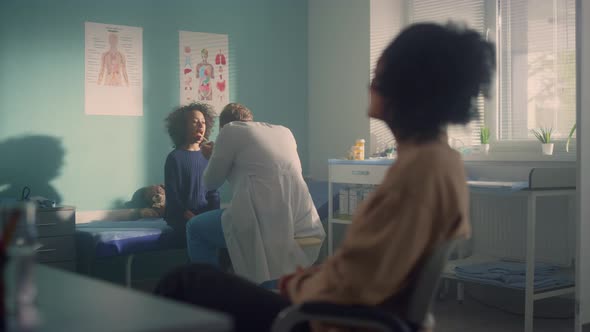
<point x="426" y="283"/>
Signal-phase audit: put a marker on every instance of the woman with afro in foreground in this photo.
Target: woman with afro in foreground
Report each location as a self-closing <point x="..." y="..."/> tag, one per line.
<point x="428" y="78"/>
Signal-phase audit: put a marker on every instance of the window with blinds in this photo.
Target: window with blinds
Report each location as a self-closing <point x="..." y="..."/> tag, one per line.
<point x="386" y="23"/>
<point x="537" y="69"/>
<point x="472" y="14"/>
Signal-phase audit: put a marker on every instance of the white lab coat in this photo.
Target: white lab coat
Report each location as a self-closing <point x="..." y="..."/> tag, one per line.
<point x="271" y="204"/>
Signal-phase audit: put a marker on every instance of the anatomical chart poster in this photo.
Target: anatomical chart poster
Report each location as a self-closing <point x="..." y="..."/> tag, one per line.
<point x="204" y="69"/>
<point x="113" y="72"/>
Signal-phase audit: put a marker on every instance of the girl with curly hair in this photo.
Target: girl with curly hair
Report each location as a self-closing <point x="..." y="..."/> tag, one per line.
<point x="186" y="195"/>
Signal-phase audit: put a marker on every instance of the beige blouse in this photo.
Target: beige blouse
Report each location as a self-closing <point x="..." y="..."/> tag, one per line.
<point x="422" y="201"/>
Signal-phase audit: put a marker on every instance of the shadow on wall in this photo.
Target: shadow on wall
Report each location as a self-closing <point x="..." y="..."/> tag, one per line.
<point x="32" y="161"/>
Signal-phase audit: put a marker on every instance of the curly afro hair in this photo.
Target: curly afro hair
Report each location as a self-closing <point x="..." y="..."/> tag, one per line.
<point x="176" y="122"/>
<point x="430" y="76"/>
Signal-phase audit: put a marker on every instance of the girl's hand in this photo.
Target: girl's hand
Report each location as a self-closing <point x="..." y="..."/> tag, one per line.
<point x="188" y="215"/>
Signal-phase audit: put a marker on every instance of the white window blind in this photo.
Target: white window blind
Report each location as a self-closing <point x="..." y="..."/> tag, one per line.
<point x="386" y="22"/>
<point x="537" y="67"/>
<point x="470" y="13"/>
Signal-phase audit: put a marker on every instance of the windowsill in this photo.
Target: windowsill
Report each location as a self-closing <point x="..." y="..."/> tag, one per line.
<point x="517" y="156"/>
<point x="523" y="151"/>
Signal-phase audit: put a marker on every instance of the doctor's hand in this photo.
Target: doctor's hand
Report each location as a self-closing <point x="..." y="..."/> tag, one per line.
<point x="207" y="149"/>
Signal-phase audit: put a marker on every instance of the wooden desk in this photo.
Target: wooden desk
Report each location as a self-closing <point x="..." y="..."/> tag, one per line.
<point x="70" y="302"/>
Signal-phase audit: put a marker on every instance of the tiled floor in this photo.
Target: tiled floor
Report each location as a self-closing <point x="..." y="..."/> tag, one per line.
<point x="478" y="313"/>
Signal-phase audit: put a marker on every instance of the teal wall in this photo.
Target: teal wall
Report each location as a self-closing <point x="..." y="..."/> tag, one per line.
<point x="338" y="71"/>
<point x="95" y="161"/>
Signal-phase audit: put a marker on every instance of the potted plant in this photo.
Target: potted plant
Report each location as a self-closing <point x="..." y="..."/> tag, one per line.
<point x="544" y="136"/>
<point x="569" y="138"/>
<point x="484" y="139"/>
<point x="390" y="151"/>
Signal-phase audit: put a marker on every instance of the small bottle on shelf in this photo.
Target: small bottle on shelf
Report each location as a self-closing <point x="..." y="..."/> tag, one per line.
<point x="343" y="202"/>
<point x="355" y="197"/>
<point x="351" y="201"/>
<point x="359" y="149"/>
<point x="367" y="191"/>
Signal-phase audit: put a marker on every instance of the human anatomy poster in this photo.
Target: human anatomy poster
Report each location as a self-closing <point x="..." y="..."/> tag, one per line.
<point x="113" y="70"/>
<point x="204" y="69"/>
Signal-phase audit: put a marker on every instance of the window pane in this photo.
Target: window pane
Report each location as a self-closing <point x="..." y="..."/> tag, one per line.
<point x="386" y="22"/>
<point x="537" y="67"/>
<point x="471" y="13"/>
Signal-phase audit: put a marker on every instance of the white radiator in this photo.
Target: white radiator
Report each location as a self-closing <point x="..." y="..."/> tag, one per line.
<point x="499" y="228"/>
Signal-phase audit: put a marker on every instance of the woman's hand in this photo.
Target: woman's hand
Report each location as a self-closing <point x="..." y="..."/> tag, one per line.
<point x="284" y="281"/>
<point x="207" y="149"/>
<point x="286" y="287"/>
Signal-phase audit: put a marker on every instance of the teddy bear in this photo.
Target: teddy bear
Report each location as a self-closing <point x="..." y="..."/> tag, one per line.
<point x="150" y="201"/>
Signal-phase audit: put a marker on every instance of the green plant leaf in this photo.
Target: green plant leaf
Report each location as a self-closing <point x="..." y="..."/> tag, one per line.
<point x="543" y="134"/>
<point x="569" y="138"/>
<point x="484" y="135"/>
<point x="547" y="135"/>
<point x="537" y="135"/>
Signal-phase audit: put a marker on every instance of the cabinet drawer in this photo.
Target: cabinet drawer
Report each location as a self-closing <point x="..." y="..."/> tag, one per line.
<point x="357" y="174"/>
<point x="55" y="222"/>
<point x="54" y="249"/>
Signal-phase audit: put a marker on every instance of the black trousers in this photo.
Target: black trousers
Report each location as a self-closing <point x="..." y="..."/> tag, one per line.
<point x="176" y="238"/>
<point x="252" y="307"/>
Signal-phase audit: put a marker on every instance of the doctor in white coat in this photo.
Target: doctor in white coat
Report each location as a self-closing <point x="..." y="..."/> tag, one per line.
<point x="271" y="204"/>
